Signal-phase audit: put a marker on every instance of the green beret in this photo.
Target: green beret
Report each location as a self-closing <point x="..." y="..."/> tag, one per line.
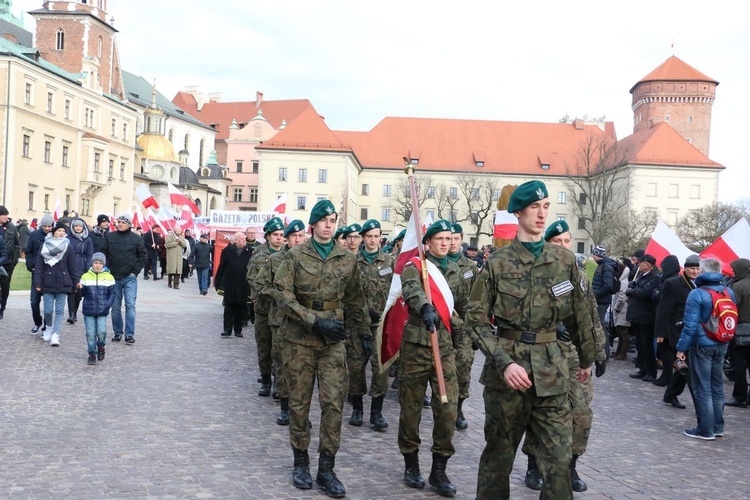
<point x="323" y="208"/>
<point x="294" y="227"/>
<point x="526" y="194"/>
<point x="400" y="236"/>
<point x="456" y="228"/>
<point x="437" y="227"/>
<point x="369" y="226"/>
<point x="338" y="233"/>
<point x="273" y="225"/>
<point x="351" y="228"/>
<point x="556" y="229"/>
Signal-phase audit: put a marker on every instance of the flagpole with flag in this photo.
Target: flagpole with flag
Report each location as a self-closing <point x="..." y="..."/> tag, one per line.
<point x="177" y="198"/>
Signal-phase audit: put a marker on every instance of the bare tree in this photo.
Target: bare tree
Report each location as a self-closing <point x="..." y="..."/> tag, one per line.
<point x="400" y="200"/>
<point x="478" y="197"/>
<point x="598" y="184"/>
<point x="632" y="231"/>
<point x="701" y="227"/>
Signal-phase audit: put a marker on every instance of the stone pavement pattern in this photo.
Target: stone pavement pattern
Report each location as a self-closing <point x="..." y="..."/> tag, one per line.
<point x="177" y="416"/>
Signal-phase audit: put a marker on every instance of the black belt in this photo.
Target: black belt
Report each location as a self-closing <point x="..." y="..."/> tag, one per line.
<point x="320" y="305"/>
<point x="527" y="337"/>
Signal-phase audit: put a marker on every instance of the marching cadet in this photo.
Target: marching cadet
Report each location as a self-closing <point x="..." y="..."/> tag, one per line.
<point x="527" y="288"/>
<point x="316" y="281"/>
<point x="274" y="235"/>
<point x="580" y="393"/>
<point x="294" y="235"/>
<point x="398" y="241"/>
<point x="417" y="369"/>
<point x="352" y="238"/>
<point x="377" y="273"/>
<point x="464" y="350"/>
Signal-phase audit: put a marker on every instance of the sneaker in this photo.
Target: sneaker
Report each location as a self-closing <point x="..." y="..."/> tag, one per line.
<point x="47" y="335"/>
<point x="100" y="353"/>
<point x="54" y="340"/>
<point x="117" y="337"/>
<point x="719" y="434"/>
<point x="129" y="340"/>
<point x="35" y="329"/>
<point x="92" y="359"/>
<point x="692" y="433"/>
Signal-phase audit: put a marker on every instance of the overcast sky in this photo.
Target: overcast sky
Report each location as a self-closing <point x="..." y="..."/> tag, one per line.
<point x="358" y="62"/>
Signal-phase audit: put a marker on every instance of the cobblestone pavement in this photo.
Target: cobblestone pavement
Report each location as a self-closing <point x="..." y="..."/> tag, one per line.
<point x="177" y="416"/>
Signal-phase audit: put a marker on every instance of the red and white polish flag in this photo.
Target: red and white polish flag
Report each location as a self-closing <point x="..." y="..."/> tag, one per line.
<point x="153" y="219"/>
<point x="279" y="206"/>
<point x="506" y="225"/>
<point x="186" y="218"/>
<point x="732" y="245"/>
<point x="145" y="197"/>
<point x="58" y="213"/>
<point x="139" y="220"/>
<point x="177" y="198"/>
<point x="665" y="242"/>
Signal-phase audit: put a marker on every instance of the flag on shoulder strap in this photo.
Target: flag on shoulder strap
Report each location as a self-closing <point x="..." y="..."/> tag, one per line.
<point x="732" y="245"/>
<point x="665" y="242"/>
<point x="506" y="225"/>
<point x="177" y="198"/>
<point x="145" y="197"/>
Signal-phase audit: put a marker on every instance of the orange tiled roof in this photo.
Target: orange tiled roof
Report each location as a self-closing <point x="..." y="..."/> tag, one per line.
<point x="675" y="69"/>
<point x="662" y="145"/>
<point x="221" y="114"/>
<point x="307" y="132"/>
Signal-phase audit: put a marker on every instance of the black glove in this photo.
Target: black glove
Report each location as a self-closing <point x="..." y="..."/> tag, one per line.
<point x="601" y="367"/>
<point x="251" y="312"/>
<point x="429" y="317"/>
<point x="631" y="284"/>
<point x="562" y="333"/>
<point x="330" y="328"/>
<point x="374" y="317"/>
<point x="367" y="349"/>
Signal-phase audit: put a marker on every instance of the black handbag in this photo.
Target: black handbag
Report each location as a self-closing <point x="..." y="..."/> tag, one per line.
<point x="742" y="335"/>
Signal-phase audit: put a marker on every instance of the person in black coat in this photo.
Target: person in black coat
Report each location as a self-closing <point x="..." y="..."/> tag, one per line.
<point x="98" y="232"/>
<point x="232" y="283"/>
<point x="642" y="315"/>
<point x="670" y="267"/>
<point x="83" y="248"/>
<point x="151" y="240"/>
<point x="200" y="260"/>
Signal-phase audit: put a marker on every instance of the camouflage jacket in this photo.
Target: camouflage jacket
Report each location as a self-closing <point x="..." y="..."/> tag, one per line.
<point x="524" y="293"/>
<point x="304" y="276"/>
<point x="598" y="331"/>
<point x="376" y="280"/>
<point x="468" y="269"/>
<point x="266" y="290"/>
<point x="258" y="260"/>
<point x="415" y="298"/>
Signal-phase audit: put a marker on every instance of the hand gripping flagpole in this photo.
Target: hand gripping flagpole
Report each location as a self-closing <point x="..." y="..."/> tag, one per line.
<point x="436" y="360"/>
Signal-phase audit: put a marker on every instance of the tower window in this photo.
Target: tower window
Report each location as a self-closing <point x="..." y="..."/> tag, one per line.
<point x="99" y="49"/>
<point x="690" y="120"/>
<point x="60" y="39"/>
<point x="666" y="118"/>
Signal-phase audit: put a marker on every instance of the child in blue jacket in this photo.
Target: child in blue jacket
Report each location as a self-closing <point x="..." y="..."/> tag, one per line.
<point x="98" y="294"/>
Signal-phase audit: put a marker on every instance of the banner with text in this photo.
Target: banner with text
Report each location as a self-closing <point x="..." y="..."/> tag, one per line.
<point x="238" y="218"/>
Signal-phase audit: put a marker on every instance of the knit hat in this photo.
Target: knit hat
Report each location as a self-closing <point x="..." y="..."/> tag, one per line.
<point x="101" y="218"/>
<point x="3" y="210"/>
<point x="323" y="208"/>
<point x="369" y="226"/>
<point x="438" y="226"/>
<point x="556" y="229"/>
<point x="639" y="253"/>
<point x="526" y="194"/>
<point x="599" y="251"/>
<point x="648" y="258"/>
<point x="125" y="218"/>
<point x="99" y="257"/>
<point x="294" y="227"/>
<point x="47" y="220"/>
<point x="692" y="261"/>
<point x="59" y="225"/>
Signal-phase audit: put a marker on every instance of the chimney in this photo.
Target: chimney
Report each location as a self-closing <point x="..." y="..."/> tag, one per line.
<point x="258" y="98"/>
<point x="578" y="124"/>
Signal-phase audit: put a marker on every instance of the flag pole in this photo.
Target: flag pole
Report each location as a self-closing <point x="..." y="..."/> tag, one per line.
<point x="436" y="360"/>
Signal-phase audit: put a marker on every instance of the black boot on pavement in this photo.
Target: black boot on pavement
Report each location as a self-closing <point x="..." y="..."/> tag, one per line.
<point x="70" y="318"/>
<point x="377" y="419"/>
<point x="283" y="418"/>
<point x="534" y="479"/>
<point x="461" y="423"/>
<point x="301" y="474"/>
<point x="412" y="477"/>
<point x="358" y="411"/>
<point x="265" y="387"/>
<point x="578" y="485"/>
<point x="327" y="479"/>
<point x="438" y="479"/>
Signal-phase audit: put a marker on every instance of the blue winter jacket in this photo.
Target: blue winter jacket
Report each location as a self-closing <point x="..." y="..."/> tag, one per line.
<point x="98" y="292"/>
<point x="698" y="310"/>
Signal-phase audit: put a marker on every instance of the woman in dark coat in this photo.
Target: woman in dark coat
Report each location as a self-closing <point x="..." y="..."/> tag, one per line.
<point x="83" y="248"/>
<point x="231" y="282"/>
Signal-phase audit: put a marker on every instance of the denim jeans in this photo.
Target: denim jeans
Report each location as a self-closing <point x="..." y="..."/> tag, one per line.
<point x="202" y="278"/>
<point x="35" y="298"/>
<point x="56" y="301"/>
<point x="707" y="379"/>
<point x="96" y="332"/>
<point x="128" y="288"/>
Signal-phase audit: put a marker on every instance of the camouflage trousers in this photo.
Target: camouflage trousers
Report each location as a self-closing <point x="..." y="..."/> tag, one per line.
<point x="580" y="395"/>
<point x="510" y="413"/>
<point x="355" y="360"/>
<point x="464" y="362"/>
<point x="416" y="373"/>
<point x="263" y="341"/>
<point x="277" y="357"/>
<point x="304" y="364"/>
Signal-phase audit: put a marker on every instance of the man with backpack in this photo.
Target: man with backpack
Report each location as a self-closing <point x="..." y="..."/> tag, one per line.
<point x="709" y="324"/>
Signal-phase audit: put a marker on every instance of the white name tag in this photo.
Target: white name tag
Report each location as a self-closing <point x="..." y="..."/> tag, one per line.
<point x="562" y="288"/>
<point x="385" y="271"/>
<point x="468" y="275"/>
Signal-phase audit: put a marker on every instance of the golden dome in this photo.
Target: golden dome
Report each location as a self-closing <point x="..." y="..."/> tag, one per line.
<point x="156" y="147"/>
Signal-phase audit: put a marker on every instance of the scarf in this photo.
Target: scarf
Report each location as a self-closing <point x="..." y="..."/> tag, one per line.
<point x="454" y="256"/>
<point x="83" y="234"/>
<point x="369" y="257"/>
<point x="323" y="249"/>
<point x="442" y="262"/>
<point x="53" y="249"/>
<point x="535" y="247"/>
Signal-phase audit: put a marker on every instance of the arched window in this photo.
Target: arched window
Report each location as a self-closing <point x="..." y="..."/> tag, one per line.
<point x="200" y="153"/>
<point x="187" y="141"/>
<point x="213" y="203"/>
<point x="99" y="48"/>
<point x="199" y="204"/>
<point x="171" y="135"/>
<point x="60" y="39"/>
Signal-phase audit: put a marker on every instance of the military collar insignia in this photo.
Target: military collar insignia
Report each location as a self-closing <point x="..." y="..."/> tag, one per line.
<point x="540" y="193"/>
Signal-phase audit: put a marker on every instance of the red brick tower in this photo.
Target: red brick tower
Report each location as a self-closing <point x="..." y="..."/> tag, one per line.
<point x="680" y="95"/>
<point x="77" y="36"/>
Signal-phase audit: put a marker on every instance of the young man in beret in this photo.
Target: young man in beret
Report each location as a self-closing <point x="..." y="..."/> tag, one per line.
<point x="274" y="235"/>
<point x="417" y="368"/>
<point x="353" y="238"/>
<point x="526" y="289"/>
<point x="316" y="281"/>
<point x="377" y="273"/>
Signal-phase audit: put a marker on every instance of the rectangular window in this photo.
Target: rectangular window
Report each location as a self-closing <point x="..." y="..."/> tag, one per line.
<point x="27" y="95"/>
<point x="67" y="109"/>
<point x="25" y="151"/>
<point x="237" y="194"/>
<point x="474" y="193"/>
<point x="65" y="156"/>
<point x="282" y="174"/>
<point x="365" y="189"/>
<point x="302" y="175"/>
<point x="453" y="217"/>
<point x="674" y="190"/>
<point x="363" y="213"/>
<point x="474" y="217"/>
<point x="323" y="175"/>
<point x="666" y="118"/>
<point x="67" y="202"/>
<point x="431" y="192"/>
<point x="580" y="247"/>
<point x="582" y="198"/>
<point x="695" y="192"/>
<point x="562" y="197"/>
<point x="85" y="206"/>
<point x="253" y="195"/>
<point x="430" y="214"/>
<point x="31" y="200"/>
<point x="672" y="218"/>
<point x="239" y="167"/>
<point x="50" y="102"/>
<point x="255" y="167"/>
<point x="560" y="217"/>
<point x="46" y="203"/>
<point x="651" y="190"/>
<point x="387" y="190"/>
<point x="453" y="194"/>
<point x="320" y="198"/>
<point x="386" y="214"/>
<point x="114" y="127"/>
<point x="97" y="157"/>
<point x="124" y="131"/>
<point x="111" y="170"/>
<point x="581" y="223"/>
<point x="301" y="202"/>
<point x="47" y="151"/>
<point x="495" y="194"/>
<point x="122" y="170"/>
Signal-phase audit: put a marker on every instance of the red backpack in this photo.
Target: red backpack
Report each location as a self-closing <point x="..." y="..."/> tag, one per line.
<point x="722" y="323"/>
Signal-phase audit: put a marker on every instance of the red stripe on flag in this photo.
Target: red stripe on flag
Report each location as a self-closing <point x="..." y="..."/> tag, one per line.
<point x="393" y="324"/>
<point x="506" y="231"/>
<point x="658" y="251"/>
<point x="721" y="251"/>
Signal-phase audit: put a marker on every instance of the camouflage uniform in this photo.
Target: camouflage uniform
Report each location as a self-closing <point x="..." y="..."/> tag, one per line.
<point x="264" y="284"/>
<point x="527" y="294"/>
<point x="262" y="304"/>
<point x="417" y="367"/>
<point x="310" y="287"/>
<point x="464" y="350"/>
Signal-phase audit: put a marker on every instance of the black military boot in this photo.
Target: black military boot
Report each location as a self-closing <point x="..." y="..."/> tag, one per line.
<point x="376" y="414"/>
<point x="533" y="476"/>
<point x="327" y="479"/>
<point x="70" y="318"/>
<point x="283" y="418"/>
<point x="358" y="411"/>
<point x="412" y="477"/>
<point x="461" y="423"/>
<point x="578" y="484"/>
<point x="438" y="479"/>
<point x="301" y="473"/>
<point x="265" y="386"/>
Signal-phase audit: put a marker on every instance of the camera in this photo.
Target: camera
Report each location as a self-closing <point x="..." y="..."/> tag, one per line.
<point x="681" y="367"/>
